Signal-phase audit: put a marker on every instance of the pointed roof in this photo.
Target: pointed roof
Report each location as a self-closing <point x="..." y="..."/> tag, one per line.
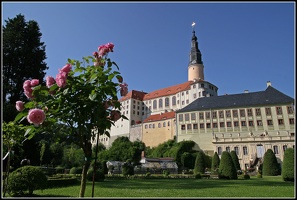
<point x="270" y="96"/>
<point x="195" y="55"/>
<point x="160" y="117"/>
<point x="168" y="90"/>
<point x="134" y="94"/>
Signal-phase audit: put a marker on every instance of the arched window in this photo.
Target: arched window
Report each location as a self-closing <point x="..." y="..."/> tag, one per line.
<point x="173" y="100"/>
<point x="164" y="124"/>
<point x="166" y="102"/>
<point x="160" y="103"/>
<point x="155" y="104"/>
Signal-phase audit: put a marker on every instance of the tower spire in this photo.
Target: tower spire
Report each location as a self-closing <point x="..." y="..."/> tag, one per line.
<point x="195" y="55"/>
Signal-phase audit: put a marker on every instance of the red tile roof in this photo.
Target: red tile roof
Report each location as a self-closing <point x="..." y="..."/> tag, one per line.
<point x="134" y="94"/>
<point x="159" y="117"/>
<point x="168" y="91"/>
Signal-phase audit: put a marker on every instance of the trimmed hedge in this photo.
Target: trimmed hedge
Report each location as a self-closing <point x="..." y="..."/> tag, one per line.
<point x="270" y="164"/>
<point x="288" y="165"/>
<point x="227" y="169"/>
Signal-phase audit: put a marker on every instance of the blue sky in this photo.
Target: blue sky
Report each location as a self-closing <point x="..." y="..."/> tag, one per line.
<point x="243" y="44"/>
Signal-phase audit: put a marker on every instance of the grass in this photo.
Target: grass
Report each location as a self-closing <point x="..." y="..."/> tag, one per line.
<point x="268" y="186"/>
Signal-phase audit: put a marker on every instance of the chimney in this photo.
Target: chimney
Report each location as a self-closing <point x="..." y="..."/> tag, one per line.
<point x="268" y="83"/>
<point x="246" y="91"/>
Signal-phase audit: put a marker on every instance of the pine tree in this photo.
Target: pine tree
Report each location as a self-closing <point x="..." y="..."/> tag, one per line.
<point x="23" y="58"/>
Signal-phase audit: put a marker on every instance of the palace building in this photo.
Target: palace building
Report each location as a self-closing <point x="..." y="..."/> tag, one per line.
<point x="248" y="123"/>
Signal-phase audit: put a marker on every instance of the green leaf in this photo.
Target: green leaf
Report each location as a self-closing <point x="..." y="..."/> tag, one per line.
<point x="53" y="87"/>
<point x="29" y="104"/>
<point x="110" y="77"/>
<point x="29" y="131"/>
<point x="20" y="115"/>
<point x="65" y="91"/>
<point x="92" y="96"/>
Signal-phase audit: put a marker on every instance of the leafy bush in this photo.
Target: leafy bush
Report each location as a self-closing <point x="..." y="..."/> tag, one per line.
<point x="99" y="175"/>
<point x="199" y="163"/>
<point x="227" y="168"/>
<point x="198" y="176"/>
<point x="270" y="164"/>
<point x="75" y="170"/>
<point x="235" y="160"/>
<point x="215" y="163"/>
<point x="60" y="170"/>
<point x="246" y="176"/>
<point x="288" y="165"/>
<point x="26" y="178"/>
<point x="166" y="173"/>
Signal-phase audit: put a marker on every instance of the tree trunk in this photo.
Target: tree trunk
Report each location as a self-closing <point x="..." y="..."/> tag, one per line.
<point x="88" y="155"/>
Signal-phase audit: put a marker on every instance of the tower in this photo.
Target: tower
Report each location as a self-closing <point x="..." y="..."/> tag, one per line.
<point x="195" y="68"/>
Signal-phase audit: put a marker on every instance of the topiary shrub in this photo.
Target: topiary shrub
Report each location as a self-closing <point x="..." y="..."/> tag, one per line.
<point x="26" y="178"/>
<point x="99" y="175"/>
<point x="227" y="169"/>
<point x="199" y="163"/>
<point x="288" y="165"/>
<point x="270" y="164"/>
<point x="215" y="163"/>
<point x="235" y="160"/>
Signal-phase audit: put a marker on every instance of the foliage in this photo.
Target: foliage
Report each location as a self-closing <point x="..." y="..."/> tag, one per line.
<point x="75" y="170"/>
<point x="83" y="96"/>
<point x="215" y="163"/>
<point x="21" y="43"/>
<point x="73" y="156"/>
<point x="235" y="160"/>
<point x="270" y="164"/>
<point x="127" y="168"/>
<point x="288" y="165"/>
<point x="188" y="160"/>
<point x="27" y="178"/>
<point x="165" y="173"/>
<point x="200" y="163"/>
<point x="99" y="175"/>
<point x="227" y="169"/>
<point x="198" y="176"/>
<point x="162" y="150"/>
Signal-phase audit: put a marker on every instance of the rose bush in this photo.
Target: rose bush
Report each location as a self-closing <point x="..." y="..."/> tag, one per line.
<point x="83" y="97"/>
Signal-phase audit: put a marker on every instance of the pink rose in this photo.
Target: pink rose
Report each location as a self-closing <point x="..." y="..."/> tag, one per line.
<point x="66" y="68"/>
<point x="50" y="81"/>
<point x="123" y="89"/>
<point x="19" y="105"/>
<point x="34" y="82"/>
<point x="27" y="84"/>
<point x="61" y="79"/>
<point x="28" y="92"/>
<point x="36" y="116"/>
<point x="115" y="115"/>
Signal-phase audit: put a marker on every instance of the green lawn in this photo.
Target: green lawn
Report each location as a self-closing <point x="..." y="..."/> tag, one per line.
<point x="272" y="186"/>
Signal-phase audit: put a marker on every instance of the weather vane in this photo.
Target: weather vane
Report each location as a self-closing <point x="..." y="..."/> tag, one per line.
<point x="193" y="25"/>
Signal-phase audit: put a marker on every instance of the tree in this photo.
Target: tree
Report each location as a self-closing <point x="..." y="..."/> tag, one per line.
<point x="215" y="162"/>
<point x="83" y="96"/>
<point x="270" y="164"/>
<point x="200" y="163"/>
<point x="288" y="165"/>
<point x="23" y="58"/>
<point x="188" y="160"/>
<point x="235" y="160"/>
<point x="227" y="169"/>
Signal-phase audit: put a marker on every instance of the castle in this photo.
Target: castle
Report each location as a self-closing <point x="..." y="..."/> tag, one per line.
<point x="249" y="123"/>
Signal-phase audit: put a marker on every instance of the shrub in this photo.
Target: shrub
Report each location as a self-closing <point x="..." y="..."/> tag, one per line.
<point x="227" y="169"/>
<point x="198" y="176"/>
<point x="148" y="174"/>
<point x="99" y="175"/>
<point x="60" y="170"/>
<point x="166" y="173"/>
<point x="215" y="163"/>
<point x="246" y="176"/>
<point x="270" y="164"/>
<point x="26" y="178"/>
<point x="259" y="175"/>
<point x="75" y="170"/>
<point x="127" y="169"/>
<point x="235" y="160"/>
<point x="288" y="165"/>
<point x="199" y="163"/>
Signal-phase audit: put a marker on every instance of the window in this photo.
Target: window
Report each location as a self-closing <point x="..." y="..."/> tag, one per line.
<point x="182" y="93"/>
<point x="201" y="115"/>
<point x="236" y="150"/>
<point x="194" y="86"/>
<point x="187" y="101"/>
<point x="153" y="125"/>
<point x="291" y="121"/>
<point x="279" y="110"/>
<point x="245" y="151"/>
<point x="183" y="102"/>
<point x="183" y="127"/>
<point x="219" y="150"/>
<point x="201" y="125"/>
<point x="189" y="126"/>
<point x="195" y="96"/>
<point x="215" y="125"/>
<point x="195" y="126"/>
<point x="207" y="125"/>
<point x="242" y="113"/>
<point x="202" y="85"/>
<point x="228" y="113"/>
<point x="280" y="122"/>
<point x="228" y="149"/>
<point x="250" y="112"/>
<point x="221" y="114"/>
<point x="150" y="126"/>
<point x="180" y="117"/>
<point x="229" y="124"/>
<point x="251" y="123"/>
<point x="259" y="123"/>
<point x="207" y="115"/>
<point x="155" y="104"/>
<point x="222" y="124"/>
<point x="159" y="125"/>
<point x="236" y="124"/>
<point x="285" y="148"/>
<point x="145" y="126"/>
<point x="173" y="100"/>
<point x="243" y="123"/>
<point x="160" y="103"/>
<point x="214" y="114"/>
<point x="166" y="102"/>
<point x="269" y="122"/>
<point x="275" y="149"/>
<point x="164" y="124"/>
<point x="193" y="116"/>
<point x="187" y="117"/>
<point x="168" y="123"/>
<point x="258" y="112"/>
<point x="235" y="113"/>
<point x="177" y="101"/>
<point x="290" y="109"/>
<point x="268" y="111"/>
